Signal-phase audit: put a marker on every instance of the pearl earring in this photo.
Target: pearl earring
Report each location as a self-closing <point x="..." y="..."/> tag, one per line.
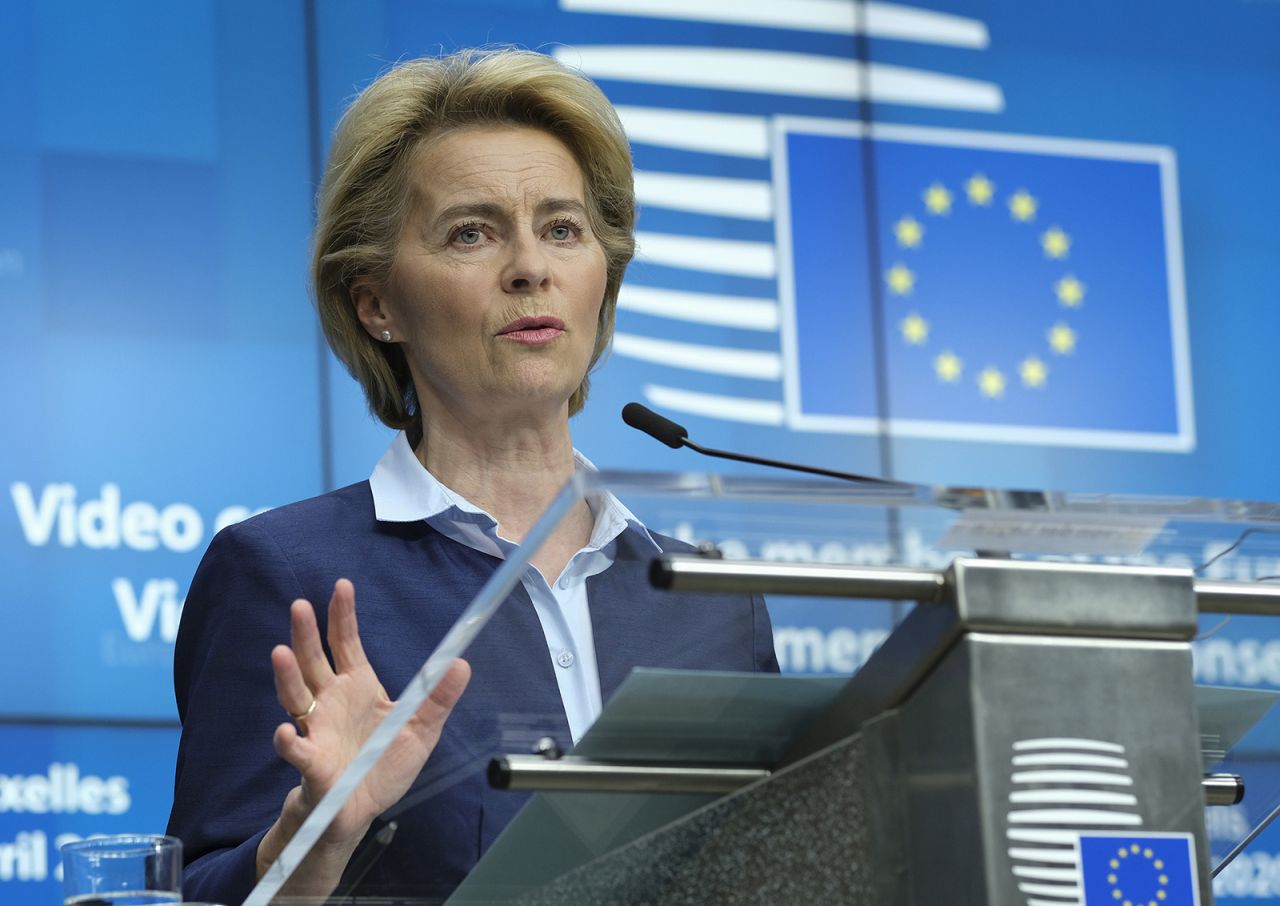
<point x="386" y="336"/>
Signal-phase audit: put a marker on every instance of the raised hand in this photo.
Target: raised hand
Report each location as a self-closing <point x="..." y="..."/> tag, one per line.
<point x="334" y="708"/>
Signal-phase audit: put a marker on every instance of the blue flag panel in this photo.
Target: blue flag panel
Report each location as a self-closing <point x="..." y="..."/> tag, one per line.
<point x="1031" y="288"/>
<point x="1138" y="869"/>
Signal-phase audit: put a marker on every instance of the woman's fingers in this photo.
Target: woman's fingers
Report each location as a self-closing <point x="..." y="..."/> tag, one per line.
<point x="350" y="703"/>
<point x="291" y="689"/>
<point x="320" y="760"/>
<point x="344" y="633"/>
<point x="293" y="747"/>
<point x="436" y="709"/>
<point x="452" y="684"/>
<point x="305" y="641"/>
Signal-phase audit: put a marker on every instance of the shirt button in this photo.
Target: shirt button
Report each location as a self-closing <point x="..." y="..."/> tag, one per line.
<point x="565" y="658"/>
<point x="563" y="583"/>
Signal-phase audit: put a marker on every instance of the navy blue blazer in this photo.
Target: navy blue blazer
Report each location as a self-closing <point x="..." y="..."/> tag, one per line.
<point x="411" y="585"/>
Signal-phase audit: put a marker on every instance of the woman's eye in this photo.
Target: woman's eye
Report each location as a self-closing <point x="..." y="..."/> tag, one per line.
<point x="561" y="232"/>
<point x="470" y="236"/>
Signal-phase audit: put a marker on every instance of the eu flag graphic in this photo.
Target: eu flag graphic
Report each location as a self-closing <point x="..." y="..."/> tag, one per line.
<point x="1032" y="288"/>
<point x="1138" y="870"/>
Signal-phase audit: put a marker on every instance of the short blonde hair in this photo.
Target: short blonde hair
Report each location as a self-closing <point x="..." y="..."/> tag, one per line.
<point x="365" y="192"/>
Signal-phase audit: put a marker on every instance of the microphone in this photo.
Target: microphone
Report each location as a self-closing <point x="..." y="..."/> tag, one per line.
<point x="675" y="436"/>
<point x="645" y="419"/>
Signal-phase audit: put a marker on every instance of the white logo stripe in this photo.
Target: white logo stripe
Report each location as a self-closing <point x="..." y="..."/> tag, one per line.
<point x="714" y="405"/>
<point x="745" y="198"/>
<point x="1046" y="874"/>
<point x="1034" y="835"/>
<point x="1061" y="856"/>
<point x="1013" y="434"/>
<point x="1072" y="797"/>
<point x="1082" y="816"/>
<point x="697" y="357"/>
<point x="902" y="85"/>
<point x="882" y="20"/>
<point x="701" y="308"/>
<point x="779" y="72"/>
<point x="893" y="20"/>
<point x="698" y="253"/>
<point x="714" y="133"/>
<point x="1072" y="777"/>
<point x="1071" y="758"/>
<point x="1067" y="742"/>
<point x="1071" y="891"/>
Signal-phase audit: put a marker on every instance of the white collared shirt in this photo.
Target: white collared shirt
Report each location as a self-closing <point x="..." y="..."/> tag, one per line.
<point x="404" y="491"/>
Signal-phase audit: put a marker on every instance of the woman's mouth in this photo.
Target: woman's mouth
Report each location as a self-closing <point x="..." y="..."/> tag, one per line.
<point x="534" y="330"/>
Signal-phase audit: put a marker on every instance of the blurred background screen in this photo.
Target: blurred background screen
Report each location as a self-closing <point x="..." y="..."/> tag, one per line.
<point x="975" y="242"/>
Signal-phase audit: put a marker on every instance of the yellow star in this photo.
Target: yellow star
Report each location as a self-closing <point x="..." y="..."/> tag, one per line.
<point x="948" y="367"/>
<point x="1070" y="291"/>
<point x="937" y="199"/>
<point x="980" y="190"/>
<point x="901" y="280"/>
<point x="1056" y="243"/>
<point x="915" y="329"/>
<point x="909" y="232"/>
<point x="1062" y="339"/>
<point x="991" y="382"/>
<point x="1033" y="371"/>
<point x="1022" y="205"/>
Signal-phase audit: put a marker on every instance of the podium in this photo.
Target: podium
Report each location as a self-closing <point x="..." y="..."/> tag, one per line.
<point x="1028" y="733"/>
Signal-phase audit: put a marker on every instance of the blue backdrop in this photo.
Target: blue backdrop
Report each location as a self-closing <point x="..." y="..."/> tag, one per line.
<point x="973" y="242"/>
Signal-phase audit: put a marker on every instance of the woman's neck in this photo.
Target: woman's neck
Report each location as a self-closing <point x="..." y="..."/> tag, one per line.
<point x="512" y="472"/>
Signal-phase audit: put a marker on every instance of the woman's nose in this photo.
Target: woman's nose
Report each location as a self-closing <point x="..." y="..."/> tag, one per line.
<point x="527" y="268"/>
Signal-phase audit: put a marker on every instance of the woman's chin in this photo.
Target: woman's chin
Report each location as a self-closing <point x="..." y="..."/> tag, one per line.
<point x="537" y="389"/>
<point x="528" y="403"/>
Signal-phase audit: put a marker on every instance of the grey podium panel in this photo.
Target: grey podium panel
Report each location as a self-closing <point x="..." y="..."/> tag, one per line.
<point x="803" y="836"/>
<point x="1109" y="720"/>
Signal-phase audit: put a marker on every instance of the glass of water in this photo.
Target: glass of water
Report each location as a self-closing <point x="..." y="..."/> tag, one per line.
<point x="122" y="870"/>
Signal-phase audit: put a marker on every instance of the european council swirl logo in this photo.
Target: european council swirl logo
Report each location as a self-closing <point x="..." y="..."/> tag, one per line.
<point x="1075" y="831"/>
<point x="1031" y="288"/>
<point x="1138" y="870"/>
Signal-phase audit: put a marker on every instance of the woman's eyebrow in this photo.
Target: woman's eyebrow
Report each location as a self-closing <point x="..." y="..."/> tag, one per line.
<point x="482" y="209"/>
<point x="490" y="211"/>
<point x="568" y="205"/>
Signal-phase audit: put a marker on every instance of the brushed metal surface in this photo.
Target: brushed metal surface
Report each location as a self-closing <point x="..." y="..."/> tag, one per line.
<point x="534" y="772"/>
<point x="691" y="572"/>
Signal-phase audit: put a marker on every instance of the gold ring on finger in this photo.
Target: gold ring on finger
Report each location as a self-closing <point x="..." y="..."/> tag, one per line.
<point x="305" y="714"/>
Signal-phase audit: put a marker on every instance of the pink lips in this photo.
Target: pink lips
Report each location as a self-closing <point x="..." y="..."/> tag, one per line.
<point x="533" y="330"/>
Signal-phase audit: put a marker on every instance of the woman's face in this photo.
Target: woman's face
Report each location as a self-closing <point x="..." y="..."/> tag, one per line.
<point x="496" y="289"/>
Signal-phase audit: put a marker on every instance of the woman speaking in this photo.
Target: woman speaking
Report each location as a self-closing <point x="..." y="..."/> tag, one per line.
<point x="474" y="224"/>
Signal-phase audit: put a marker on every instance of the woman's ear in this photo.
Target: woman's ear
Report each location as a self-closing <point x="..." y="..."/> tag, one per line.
<point x="367" y="297"/>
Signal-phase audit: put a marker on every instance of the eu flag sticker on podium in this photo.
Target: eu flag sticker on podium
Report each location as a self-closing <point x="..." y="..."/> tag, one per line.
<point x="1031" y="288"/>
<point x="1138" y="869"/>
